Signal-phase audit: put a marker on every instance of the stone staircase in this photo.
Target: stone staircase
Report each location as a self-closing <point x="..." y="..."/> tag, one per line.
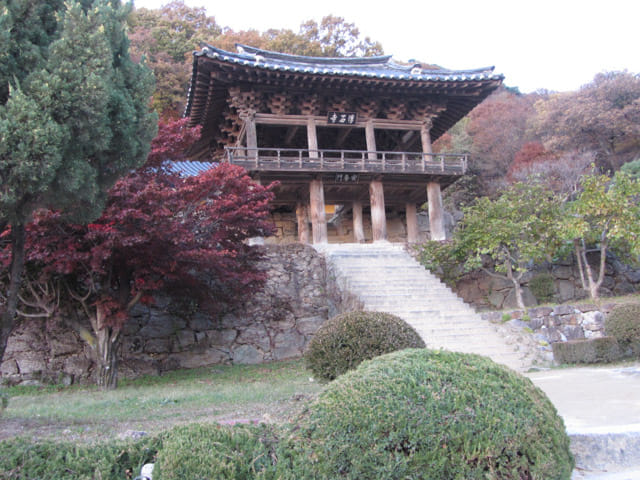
<point x="386" y="278"/>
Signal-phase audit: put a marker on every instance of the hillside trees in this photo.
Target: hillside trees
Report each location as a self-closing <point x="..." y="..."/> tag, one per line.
<point x="158" y="231"/>
<point x="74" y="116"/>
<point x="602" y="117"/>
<point x="168" y="36"/>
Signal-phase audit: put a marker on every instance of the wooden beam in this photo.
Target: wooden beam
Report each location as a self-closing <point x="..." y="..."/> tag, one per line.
<point x="412" y="222"/>
<point x="378" y="216"/>
<point x="321" y="121"/>
<point x="318" y="218"/>
<point x="302" y="216"/>
<point x="358" y="228"/>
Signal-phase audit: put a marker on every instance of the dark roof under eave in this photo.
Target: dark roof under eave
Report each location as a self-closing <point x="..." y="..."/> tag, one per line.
<point x="214" y="70"/>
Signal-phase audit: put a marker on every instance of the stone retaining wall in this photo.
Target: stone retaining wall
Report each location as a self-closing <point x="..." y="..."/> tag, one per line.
<point x="489" y="293"/>
<point x="556" y="324"/>
<point x="273" y="324"/>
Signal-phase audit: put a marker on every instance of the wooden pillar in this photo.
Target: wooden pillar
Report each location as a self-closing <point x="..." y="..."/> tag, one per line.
<point x="412" y="223"/>
<point x="378" y="217"/>
<point x="425" y="135"/>
<point x="434" y="194"/>
<point x="371" y="140"/>
<point x="312" y="138"/>
<point x="436" y="218"/>
<point x="358" y="227"/>
<point x="302" y="216"/>
<point x="318" y="219"/>
<point x="252" y="136"/>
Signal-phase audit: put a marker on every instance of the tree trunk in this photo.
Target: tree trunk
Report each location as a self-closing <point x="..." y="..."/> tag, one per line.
<point x="515" y="279"/>
<point x="107" y="351"/>
<point x="17" y="238"/>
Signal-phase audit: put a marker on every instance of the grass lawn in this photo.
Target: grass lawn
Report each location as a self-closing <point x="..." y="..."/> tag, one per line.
<point x="221" y="393"/>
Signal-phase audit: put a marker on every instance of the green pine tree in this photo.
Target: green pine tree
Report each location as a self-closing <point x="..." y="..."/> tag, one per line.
<point x="74" y="115"/>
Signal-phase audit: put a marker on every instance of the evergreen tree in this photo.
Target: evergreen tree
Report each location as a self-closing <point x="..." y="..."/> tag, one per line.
<point x="74" y="115"/>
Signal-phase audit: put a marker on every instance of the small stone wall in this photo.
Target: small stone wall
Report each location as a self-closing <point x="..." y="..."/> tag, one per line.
<point x="273" y="324"/>
<point x="561" y="323"/>
<point x="489" y="293"/>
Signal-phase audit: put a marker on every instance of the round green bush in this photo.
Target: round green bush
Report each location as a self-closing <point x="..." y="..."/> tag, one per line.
<point x="344" y="341"/>
<point x="623" y="323"/>
<point x="211" y="451"/>
<point x="422" y="414"/>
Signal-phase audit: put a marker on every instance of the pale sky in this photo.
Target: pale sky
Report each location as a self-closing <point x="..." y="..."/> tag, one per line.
<point x="543" y="44"/>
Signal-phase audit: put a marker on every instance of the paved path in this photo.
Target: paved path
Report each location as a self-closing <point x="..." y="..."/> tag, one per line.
<point x="601" y="410"/>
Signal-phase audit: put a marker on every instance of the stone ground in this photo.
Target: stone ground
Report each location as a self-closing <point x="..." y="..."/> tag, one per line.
<point x="601" y="410"/>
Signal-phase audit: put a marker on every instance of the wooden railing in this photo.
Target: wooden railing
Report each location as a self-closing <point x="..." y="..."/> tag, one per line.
<point x="293" y="159"/>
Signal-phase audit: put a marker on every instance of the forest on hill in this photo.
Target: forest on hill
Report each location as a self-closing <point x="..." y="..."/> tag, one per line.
<point x="510" y="136"/>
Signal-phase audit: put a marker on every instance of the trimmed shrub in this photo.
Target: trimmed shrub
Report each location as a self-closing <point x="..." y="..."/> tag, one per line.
<point x="428" y="414"/>
<point x="212" y="452"/>
<point x="543" y="287"/>
<point x="21" y="458"/>
<point x="344" y="341"/>
<point x="593" y="350"/>
<point x="623" y="323"/>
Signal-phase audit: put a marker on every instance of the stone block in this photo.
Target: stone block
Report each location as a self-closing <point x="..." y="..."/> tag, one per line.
<point x="247" y="354"/>
<point x="30" y="362"/>
<point x="527" y="297"/>
<point x="201" y="322"/>
<point x="159" y="326"/>
<point x="633" y="276"/>
<point x="9" y="367"/>
<point x="288" y="345"/>
<point x="566" y="290"/>
<point x="536" y="323"/>
<point x="186" y="338"/>
<point x="210" y="356"/>
<point x="157" y="345"/>
<point x="624" y="288"/>
<point x="496" y="299"/>
<point x="222" y="337"/>
<point x="62" y="346"/>
<point x="562" y="272"/>
<point x="78" y="366"/>
<point x="255" y="335"/>
<point x="540" y="311"/>
<point x="494" y="317"/>
<point x="593" y="321"/>
<point x="309" y="325"/>
<point x="563" y="310"/>
<point x="587" y="307"/>
<point x="573" y="332"/>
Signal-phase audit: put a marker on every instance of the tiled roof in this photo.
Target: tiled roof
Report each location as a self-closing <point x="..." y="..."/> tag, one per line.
<point x="191" y="168"/>
<point x="380" y="67"/>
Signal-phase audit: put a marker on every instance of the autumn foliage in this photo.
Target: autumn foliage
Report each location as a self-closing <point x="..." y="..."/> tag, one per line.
<point x="158" y="231"/>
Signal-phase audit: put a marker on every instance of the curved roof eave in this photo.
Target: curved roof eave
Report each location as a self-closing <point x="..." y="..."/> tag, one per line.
<point x="379" y="67"/>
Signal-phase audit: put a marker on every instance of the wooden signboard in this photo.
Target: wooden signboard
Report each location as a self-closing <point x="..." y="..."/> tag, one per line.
<point x="341" y="118"/>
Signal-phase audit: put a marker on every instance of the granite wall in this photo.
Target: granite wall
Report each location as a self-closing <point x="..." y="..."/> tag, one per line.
<point x="273" y="324"/>
<point x="489" y="293"/>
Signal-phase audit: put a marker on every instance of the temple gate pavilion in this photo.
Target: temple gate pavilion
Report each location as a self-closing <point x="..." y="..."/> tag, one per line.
<point x="348" y="139"/>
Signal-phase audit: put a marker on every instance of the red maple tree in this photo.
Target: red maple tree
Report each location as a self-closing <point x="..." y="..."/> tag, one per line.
<point x="159" y="230"/>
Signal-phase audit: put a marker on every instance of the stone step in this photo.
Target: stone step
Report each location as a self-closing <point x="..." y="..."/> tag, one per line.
<point x="386" y="278"/>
